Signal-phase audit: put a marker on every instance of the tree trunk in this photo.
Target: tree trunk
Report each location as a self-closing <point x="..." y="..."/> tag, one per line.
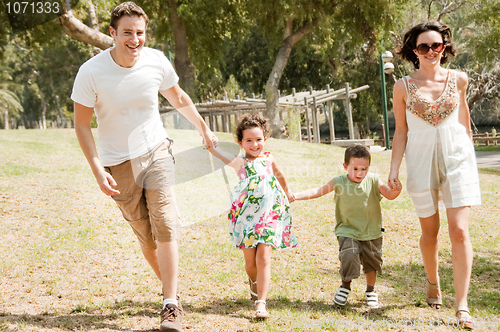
<point x="6" y="118"/>
<point x="183" y="64"/>
<point x="482" y="86"/>
<point x="79" y="31"/>
<point x="274" y="78"/>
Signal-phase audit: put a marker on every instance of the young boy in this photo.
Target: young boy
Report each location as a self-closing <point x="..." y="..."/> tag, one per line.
<point x="359" y="221"/>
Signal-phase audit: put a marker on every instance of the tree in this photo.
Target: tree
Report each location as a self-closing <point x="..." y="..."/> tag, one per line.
<point x="9" y="104"/>
<point x="285" y="23"/>
<point x="481" y="38"/>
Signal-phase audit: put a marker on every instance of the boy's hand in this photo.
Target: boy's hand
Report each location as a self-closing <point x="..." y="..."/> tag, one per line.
<point x="291" y="196"/>
<point x="393" y="181"/>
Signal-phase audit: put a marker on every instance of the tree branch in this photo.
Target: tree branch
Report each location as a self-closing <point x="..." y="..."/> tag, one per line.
<point x="449" y="9"/>
<point x="79" y="31"/>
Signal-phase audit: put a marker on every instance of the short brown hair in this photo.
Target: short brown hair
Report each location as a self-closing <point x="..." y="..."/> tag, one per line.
<point x="252" y="121"/>
<point x="128" y="8"/>
<point x="357" y="151"/>
<point x="411" y="36"/>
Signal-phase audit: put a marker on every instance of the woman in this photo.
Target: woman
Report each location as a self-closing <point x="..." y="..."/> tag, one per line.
<point x="433" y="131"/>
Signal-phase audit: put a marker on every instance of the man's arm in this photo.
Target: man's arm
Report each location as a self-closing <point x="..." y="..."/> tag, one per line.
<point x="183" y="103"/>
<point x="83" y="117"/>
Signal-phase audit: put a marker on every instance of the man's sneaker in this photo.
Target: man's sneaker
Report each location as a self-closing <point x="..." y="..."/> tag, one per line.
<point x="171" y="317"/>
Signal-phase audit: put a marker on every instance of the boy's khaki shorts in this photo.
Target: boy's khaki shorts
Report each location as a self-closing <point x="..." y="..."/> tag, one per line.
<point x="353" y="253"/>
<point x="147" y="198"/>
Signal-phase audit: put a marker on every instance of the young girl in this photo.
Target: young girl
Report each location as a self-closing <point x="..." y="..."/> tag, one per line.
<point x="259" y="216"/>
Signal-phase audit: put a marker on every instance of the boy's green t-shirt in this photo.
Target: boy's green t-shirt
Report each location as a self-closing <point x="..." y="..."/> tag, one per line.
<point x="357" y="207"/>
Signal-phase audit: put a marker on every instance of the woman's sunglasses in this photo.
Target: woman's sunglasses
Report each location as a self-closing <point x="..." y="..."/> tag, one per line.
<point x="424" y="48"/>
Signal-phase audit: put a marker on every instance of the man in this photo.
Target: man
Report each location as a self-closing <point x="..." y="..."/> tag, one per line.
<point x="121" y="86"/>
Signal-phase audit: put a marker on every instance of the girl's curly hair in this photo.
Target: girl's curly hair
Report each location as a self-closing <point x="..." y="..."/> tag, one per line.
<point x="410" y="41"/>
<point x="252" y="121"/>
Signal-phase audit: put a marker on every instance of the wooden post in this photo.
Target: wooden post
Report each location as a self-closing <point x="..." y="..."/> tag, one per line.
<point x="226" y="122"/>
<point x="212" y="120"/>
<point x="348" y="111"/>
<point x="308" y="125"/>
<point x="487" y="142"/>
<point x="280" y="111"/>
<point x="329" y="111"/>
<point x="317" y="138"/>
<point x="383" y="135"/>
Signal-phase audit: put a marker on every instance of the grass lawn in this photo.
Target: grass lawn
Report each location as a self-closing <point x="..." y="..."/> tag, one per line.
<point x="71" y="263"/>
<point x="487" y="147"/>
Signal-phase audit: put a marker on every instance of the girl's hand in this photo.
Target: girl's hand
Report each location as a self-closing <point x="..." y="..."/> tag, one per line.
<point x="291" y="196"/>
<point x="209" y="139"/>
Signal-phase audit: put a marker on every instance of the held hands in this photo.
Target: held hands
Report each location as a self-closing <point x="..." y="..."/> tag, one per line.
<point x="393" y="181"/>
<point x="105" y="181"/>
<point x="291" y="196"/>
<point x="209" y="139"/>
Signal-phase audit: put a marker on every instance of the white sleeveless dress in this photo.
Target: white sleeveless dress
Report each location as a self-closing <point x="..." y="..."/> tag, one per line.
<point x="440" y="159"/>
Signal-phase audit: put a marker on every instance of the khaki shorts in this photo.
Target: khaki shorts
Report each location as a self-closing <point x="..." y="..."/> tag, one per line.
<point x="353" y="253"/>
<point x="147" y="198"/>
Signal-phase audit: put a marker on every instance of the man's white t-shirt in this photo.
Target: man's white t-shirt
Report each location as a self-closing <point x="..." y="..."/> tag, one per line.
<point x="125" y="101"/>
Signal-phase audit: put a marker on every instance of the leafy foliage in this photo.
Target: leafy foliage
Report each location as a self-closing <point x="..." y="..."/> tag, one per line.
<point x="234" y="45"/>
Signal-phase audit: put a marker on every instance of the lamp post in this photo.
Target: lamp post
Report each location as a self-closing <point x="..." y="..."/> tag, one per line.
<point x="386" y="67"/>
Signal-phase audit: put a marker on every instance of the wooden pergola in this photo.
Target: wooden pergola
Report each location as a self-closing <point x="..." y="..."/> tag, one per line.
<point x="309" y="102"/>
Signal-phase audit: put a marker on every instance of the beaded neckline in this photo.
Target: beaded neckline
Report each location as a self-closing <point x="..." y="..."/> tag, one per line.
<point x="433" y="112"/>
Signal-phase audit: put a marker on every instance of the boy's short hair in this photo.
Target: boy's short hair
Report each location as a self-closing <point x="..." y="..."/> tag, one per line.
<point x="357" y="151"/>
<point x="128" y="8"/>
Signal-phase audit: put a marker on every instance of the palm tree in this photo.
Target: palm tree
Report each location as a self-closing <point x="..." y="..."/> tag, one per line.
<point x="9" y="102"/>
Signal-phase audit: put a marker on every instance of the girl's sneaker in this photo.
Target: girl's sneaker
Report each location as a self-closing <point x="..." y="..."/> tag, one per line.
<point x="340" y="297"/>
<point x="371" y="300"/>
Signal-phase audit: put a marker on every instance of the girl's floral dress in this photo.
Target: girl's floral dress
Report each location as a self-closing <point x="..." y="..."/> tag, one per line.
<point x="260" y="211"/>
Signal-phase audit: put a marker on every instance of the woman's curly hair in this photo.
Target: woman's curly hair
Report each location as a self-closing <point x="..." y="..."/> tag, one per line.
<point x="252" y="121"/>
<point x="410" y="41"/>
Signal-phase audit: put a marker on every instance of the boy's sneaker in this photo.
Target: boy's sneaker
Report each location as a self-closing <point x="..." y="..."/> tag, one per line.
<point x="171" y="317"/>
<point x="340" y="297"/>
<point x="371" y="300"/>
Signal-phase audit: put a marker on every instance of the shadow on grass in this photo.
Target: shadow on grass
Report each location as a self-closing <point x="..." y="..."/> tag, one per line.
<point x="86" y="319"/>
<point x="406" y="279"/>
<point x="483" y="290"/>
<point x="244" y="308"/>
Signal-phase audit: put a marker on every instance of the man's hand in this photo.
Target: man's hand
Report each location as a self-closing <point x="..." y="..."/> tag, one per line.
<point x="105" y="181"/>
<point x="209" y="139"/>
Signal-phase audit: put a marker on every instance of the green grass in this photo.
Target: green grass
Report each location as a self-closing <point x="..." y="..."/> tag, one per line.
<point x="487" y="147"/>
<point x="71" y="263"/>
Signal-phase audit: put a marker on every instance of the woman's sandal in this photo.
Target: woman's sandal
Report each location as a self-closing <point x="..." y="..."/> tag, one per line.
<point x="434" y="302"/>
<point x="253" y="295"/>
<point x="464" y="322"/>
<point x="261" y="313"/>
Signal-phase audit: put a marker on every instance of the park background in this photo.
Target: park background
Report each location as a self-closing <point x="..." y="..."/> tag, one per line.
<point x="70" y="262"/>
